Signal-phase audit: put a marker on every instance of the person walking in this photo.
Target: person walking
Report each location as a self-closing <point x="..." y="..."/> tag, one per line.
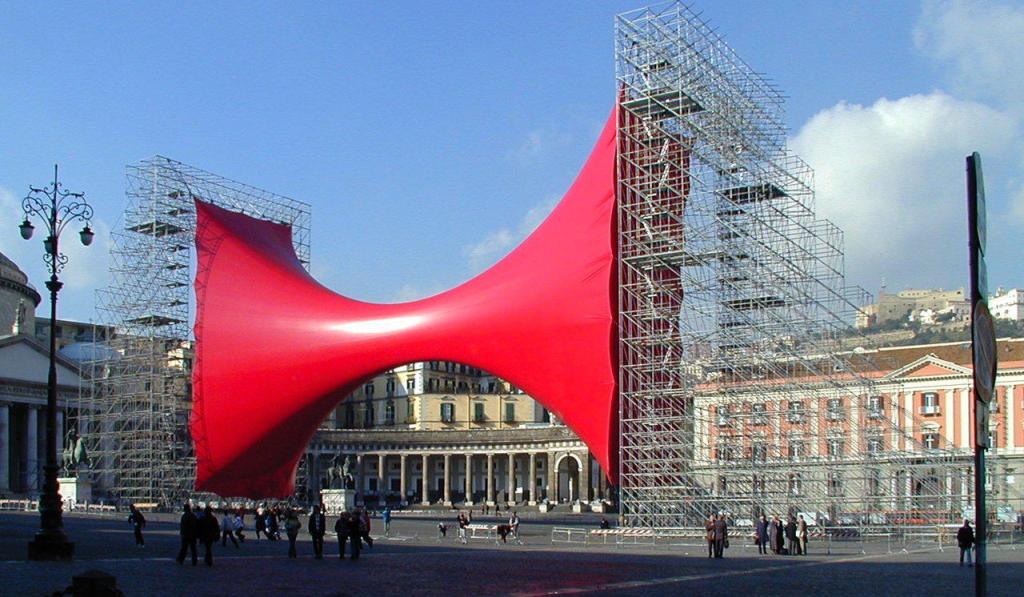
<point x="721" y="536"/>
<point x="762" y="535"/>
<point x="386" y="517"/>
<point x="709" y="534"/>
<point x="801" y="535"/>
<point x="341" y="530"/>
<point x="965" y="539"/>
<point x="227" y="529"/>
<point x="794" y="546"/>
<point x="513" y="523"/>
<point x="188" y="529"/>
<point x="239" y="525"/>
<point x="209" y="531"/>
<point x="261" y="522"/>
<point x="317" y="527"/>
<point x="364" y="527"/>
<point x="354" y="534"/>
<point x="137" y="520"/>
<point x="463" y="524"/>
<point x="273" y="519"/>
<point x="291" y="528"/>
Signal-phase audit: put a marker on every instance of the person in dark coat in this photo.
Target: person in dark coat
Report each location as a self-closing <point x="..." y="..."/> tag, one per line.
<point x="355" y="534"/>
<point x="721" y="535"/>
<point x="762" y="535"/>
<point x="773" y="534"/>
<point x="709" y="534"/>
<point x="137" y="520"/>
<point x="780" y="535"/>
<point x="794" y="546"/>
<point x="341" y="530"/>
<point x="188" y="530"/>
<point x="965" y="539"/>
<point x="261" y="522"/>
<point x="209" y="532"/>
<point x="317" y="527"/>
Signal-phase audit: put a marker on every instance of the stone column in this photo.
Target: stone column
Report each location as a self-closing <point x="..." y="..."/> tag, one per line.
<point x="552" y="478"/>
<point x="381" y="478"/>
<point x="532" y="484"/>
<point x="360" y="481"/>
<point x="469" y="480"/>
<point x="511" y="492"/>
<point x="490" y="479"/>
<point x="584" y="493"/>
<point x="5" y="446"/>
<point x="32" y="449"/>
<point x="447" y="479"/>
<point x="401" y="482"/>
<point x="426" y="480"/>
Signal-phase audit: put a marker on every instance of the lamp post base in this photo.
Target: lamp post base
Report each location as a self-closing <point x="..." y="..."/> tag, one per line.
<point x="51" y="545"/>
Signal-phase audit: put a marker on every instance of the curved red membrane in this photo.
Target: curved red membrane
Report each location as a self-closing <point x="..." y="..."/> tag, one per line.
<point x="276" y="351"/>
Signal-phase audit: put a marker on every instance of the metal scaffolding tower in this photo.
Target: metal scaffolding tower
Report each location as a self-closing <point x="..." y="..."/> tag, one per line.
<point x="135" y="420"/>
<point x="735" y="396"/>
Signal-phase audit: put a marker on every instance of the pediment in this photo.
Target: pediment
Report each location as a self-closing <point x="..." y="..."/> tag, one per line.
<point x="928" y="366"/>
<point x="24" y="359"/>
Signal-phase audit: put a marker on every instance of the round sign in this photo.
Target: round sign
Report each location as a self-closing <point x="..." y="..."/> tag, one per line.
<point x="984" y="352"/>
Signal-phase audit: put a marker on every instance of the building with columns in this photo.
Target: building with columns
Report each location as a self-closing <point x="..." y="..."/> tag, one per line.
<point x="24" y="371"/>
<point x="445" y="433"/>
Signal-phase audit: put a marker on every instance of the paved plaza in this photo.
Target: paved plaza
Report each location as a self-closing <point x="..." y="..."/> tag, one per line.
<point x="416" y="563"/>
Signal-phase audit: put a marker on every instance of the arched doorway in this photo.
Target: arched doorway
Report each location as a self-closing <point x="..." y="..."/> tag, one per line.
<point x="568" y="478"/>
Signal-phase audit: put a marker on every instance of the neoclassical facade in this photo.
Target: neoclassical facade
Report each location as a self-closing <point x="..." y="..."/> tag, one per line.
<point x="437" y="432"/>
<point x="494" y="467"/>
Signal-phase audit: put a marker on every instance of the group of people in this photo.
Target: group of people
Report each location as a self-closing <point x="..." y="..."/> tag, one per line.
<point x="201" y="526"/>
<point x="788" y="538"/>
<point x="464" y="519"/>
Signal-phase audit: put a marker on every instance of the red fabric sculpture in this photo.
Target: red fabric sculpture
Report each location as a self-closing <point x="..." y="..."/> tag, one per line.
<point x="276" y="351"/>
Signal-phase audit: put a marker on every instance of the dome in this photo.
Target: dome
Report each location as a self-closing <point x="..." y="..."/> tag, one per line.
<point x="10" y="271"/>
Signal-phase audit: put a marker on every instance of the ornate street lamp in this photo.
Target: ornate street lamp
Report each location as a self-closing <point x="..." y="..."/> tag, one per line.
<point x="56" y="207"/>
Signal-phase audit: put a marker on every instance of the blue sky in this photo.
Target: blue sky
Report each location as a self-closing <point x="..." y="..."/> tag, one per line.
<point x="429" y="139"/>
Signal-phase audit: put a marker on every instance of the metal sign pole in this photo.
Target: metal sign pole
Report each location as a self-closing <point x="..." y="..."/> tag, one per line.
<point x="983" y="350"/>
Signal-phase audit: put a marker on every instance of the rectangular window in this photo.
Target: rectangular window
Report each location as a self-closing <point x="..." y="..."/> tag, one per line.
<point x="875" y="408"/>
<point x="410" y="385"/>
<point x="931" y="441"/>
<point x="723" y="416"/>
<point x="478" y="412"/>
<point x="835" y="484"/>
<point x="759" y="452"/>
<point x="797" y="450"/>
<point x="390" y="386"/>
<point x="368" y="390"/>
<point x="875" y="446"/>
<point x="796" y="412"/>
<point x="368" y="421"/>
<point x="835" y="409"/>
<point x="389" y="413"/>
<point x="796" y="484"/>
<point x="510" y="412"/>
<point x="759" y="414"/>
<point x="930" y="403"/>
<point x="835" y="447"/>
<point x="447" y="412"/>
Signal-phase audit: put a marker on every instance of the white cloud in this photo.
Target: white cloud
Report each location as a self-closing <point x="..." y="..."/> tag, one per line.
<point x="540" y="142"/>
<point x="981" y="43"/>
<point x="498" y="243"/>
<point x="892" y="176"/>
<point x="414" y="292"/>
